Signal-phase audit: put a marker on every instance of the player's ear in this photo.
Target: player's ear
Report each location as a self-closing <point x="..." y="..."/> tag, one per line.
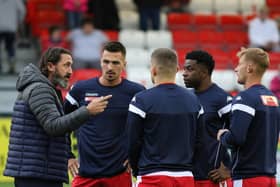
<point x="204" y="71"/>
<point x="124" y="65"/>
<point x="250" y="68"/>
<point x="154" y="70"/>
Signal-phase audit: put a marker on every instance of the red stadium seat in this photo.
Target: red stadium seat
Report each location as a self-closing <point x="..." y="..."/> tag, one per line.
<point x="275" y="15"/>
<point x="234" y="58"/>
<point x="83" y="74"/>
<point x="272" y="3"/>
<point x="36" y="6"/>
<point x="35" y="9"/>
<point x="234" y="40"/>
<point x="181" y="56"/>
<point x="232" y="22"/>
<point x="222" y="60"/>
<point x="183" y="39"/>
<point x="211" y="39"/>
<point x="274" y="6"/>
<point x="274" y="60"/>
<point x="179" y="20"/>
<point x="249" y="17"/>
<point x="45" y="19"/>
<point x="205" y="21"/>
<point x="112" y="35"/>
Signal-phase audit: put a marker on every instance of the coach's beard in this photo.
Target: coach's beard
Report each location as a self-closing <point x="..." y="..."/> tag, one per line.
<point x="61" y="81"/>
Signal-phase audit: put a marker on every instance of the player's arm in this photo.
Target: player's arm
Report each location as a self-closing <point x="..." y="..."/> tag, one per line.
<point x="199" y="127"/>
<point x="225" y="112"/>
<point x="135" y="119"/>
<point x="242" y="115"/>
<point x="73" y="164"/>
<point x="222" y="172"/>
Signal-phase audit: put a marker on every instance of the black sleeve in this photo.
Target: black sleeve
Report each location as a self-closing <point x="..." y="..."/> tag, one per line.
<point x="135" y="133"/>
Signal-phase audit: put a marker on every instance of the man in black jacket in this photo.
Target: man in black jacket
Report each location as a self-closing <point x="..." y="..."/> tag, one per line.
<point x="149" y="10"/>
<point x="39" y="144"/>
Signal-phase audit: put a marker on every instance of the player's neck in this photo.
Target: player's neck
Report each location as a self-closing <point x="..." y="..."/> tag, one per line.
<point x="252" y="81"/>
<point x="207" y="83"/>
<point x="105" y="82"/>
<point x="164" y="81"/>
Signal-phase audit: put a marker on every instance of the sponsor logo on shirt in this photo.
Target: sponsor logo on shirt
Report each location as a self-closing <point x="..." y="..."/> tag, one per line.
<point x="91" y="96"/>
<point x="269" y="100"/>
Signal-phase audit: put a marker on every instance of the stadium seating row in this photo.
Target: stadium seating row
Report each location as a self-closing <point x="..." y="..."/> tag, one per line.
<point x="223" y="45"/>
<point x="199" y="21"/>
<point x="209" y="6"/>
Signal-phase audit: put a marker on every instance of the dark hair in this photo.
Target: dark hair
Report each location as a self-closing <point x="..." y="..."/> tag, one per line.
<point x="202" y="57"/>
<point x="114" y="46"/>
<point x="53" y="28"/>
<point x="52" y="55"/>
<point x="86" y="21"/>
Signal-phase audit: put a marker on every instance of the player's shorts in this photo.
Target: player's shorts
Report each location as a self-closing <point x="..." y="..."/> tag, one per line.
<point x="166" y="179"/>
<point x="121" y="180"/>
<point x="208" y="183"/>
<point x="256" y="182"/>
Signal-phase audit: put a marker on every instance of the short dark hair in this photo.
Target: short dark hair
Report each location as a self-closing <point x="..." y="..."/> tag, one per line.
<point x="114" y="46"/>
<point x="202" y="57"/>
<point x="52" y="55"/>
<point x="86" y="21"/>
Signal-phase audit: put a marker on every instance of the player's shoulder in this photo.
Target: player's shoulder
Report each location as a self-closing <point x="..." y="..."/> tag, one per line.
<point x="252" y="92"/>
<point x="221" y="94"/>
<point x="82" y="84"/>
<point x="215" y="94"/>
<point x="219" y="91"/>
<point x="188" y="92"/>
<point x="248" y="97"/>
<point x="133" y="85"/>
<point x="146" y="94"/>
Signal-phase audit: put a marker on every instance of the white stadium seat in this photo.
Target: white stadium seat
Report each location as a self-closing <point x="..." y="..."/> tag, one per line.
<point x="140" y="75"/>
<point x="137" y="57"/>
<point x="132" y="38"/>
<point x="156" y="39"/>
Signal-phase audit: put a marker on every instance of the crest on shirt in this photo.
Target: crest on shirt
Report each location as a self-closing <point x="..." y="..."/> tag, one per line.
<point x="269" y="100"/>
<point x="91" y="96"/>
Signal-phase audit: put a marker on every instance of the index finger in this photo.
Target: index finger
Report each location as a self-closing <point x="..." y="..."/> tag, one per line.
<point x="105" y="98"/>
